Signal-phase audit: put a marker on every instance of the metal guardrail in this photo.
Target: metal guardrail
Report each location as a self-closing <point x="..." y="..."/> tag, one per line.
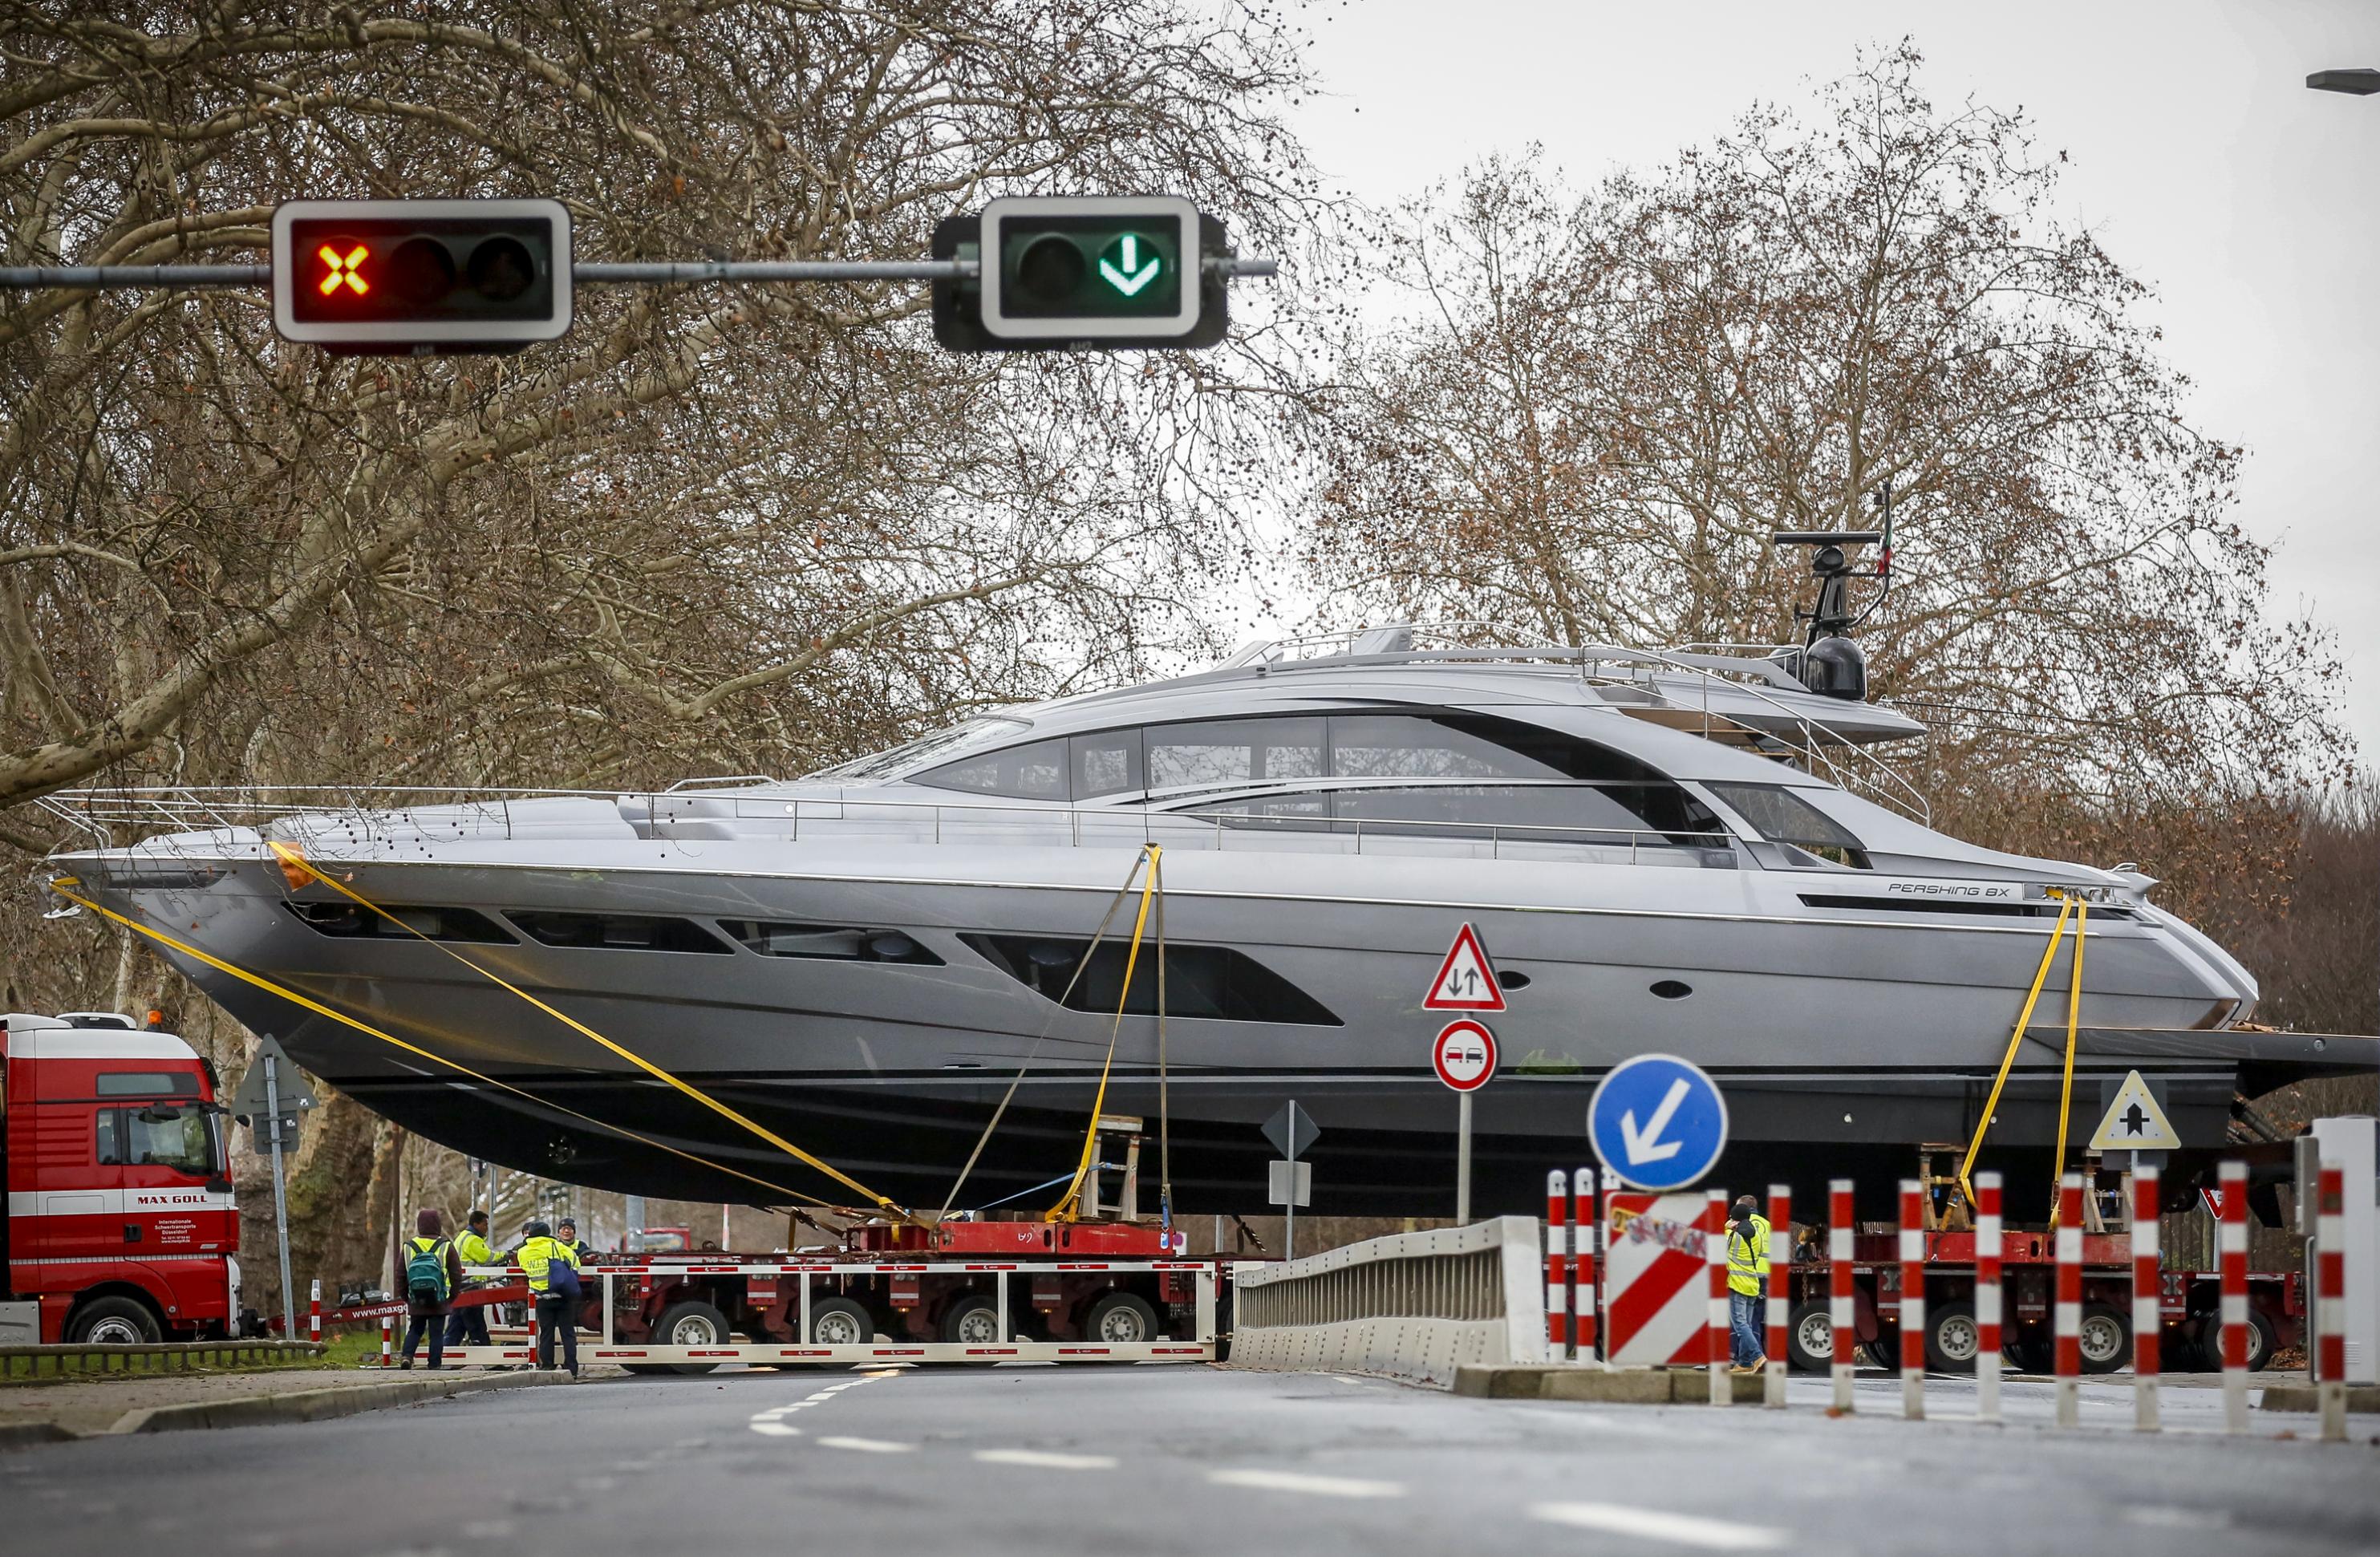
<point x="153" y="1357"/>
<point x="1413" y="1306"/>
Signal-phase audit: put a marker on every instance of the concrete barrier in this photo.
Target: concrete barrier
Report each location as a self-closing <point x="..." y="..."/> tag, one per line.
<point x="1413" y="1306"/>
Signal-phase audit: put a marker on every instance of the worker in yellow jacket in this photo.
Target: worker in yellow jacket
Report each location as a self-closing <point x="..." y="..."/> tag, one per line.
<point x="469" y="1321"/>
<point x="1747" y="1284"/>
<point x="552" y="1271"/>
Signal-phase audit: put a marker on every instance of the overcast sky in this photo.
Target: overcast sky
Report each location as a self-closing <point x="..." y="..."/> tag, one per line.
<point x="2251" y="204"/>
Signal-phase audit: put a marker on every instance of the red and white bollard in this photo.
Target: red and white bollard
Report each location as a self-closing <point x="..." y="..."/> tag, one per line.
<point x="1987" y="1297"/>
<point x="2069" y="1306"/>
<point x="1913" y="1300"/>
<point x="1780" y="1291"/>
<point x="1842" y="1318"/>
<point x="315" y="1313"/>
<point x="1558" y="1266"/>
<point x="1586" y="1218"/>
<point x="2148" y="1320"/>
<point x="387" y="1345"/>
<point x="2330" y="1302"/>
<point x="1722" y="1389"/>
<point x="2231" y="1255"/>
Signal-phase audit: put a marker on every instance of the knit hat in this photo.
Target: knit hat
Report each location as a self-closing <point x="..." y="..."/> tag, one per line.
<point x="427" y="1222"/>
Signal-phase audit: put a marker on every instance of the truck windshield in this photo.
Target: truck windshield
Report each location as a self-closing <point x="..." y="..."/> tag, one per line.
<point x="183" y="1139"/>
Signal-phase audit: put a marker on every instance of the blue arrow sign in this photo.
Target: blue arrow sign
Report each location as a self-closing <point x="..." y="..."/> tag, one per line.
<point x="1657" y="1122"/>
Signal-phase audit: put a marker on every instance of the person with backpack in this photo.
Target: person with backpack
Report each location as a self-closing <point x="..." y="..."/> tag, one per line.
<point x="433" y="1274"/>
<point x="552" y="1267"/>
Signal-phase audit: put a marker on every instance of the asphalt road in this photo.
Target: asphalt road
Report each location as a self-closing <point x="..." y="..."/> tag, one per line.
<point x="1188" y="1460"/>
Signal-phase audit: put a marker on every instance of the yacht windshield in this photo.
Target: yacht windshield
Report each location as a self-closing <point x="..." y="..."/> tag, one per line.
<point x="926" y="748"/>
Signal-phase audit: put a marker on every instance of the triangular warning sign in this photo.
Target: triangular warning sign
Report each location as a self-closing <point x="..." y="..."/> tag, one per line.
<point x="2134" y="1122"/>
<point x="2213" y="1198"/>
<point x="1465" y="981"/>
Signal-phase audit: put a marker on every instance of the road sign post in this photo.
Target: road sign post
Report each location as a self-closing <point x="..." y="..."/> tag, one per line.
<point x="269" y="1099"/>
<point x="1464" y="1058"/>
<point x="1658" y="1121"/>
<point x="1291" y="1130"/>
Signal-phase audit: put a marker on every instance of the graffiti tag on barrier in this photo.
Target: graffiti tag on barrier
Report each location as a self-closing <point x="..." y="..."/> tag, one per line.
<point x="1680" y="1237"/>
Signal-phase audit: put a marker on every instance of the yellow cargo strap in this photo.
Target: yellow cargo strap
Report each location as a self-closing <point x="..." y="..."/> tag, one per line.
<point x="284" y="993"/>
<point x="2080" y="910"/>
<point x="1069" y="1205"/>
<point x="295" y="866"/>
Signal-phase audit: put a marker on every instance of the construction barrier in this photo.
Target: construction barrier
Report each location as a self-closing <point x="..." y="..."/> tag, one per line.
<point x="1558" y="1264"/>
<point x="2068" y="1310"/>
<point x="152" y="1357"/>
<point x="1656" y="1257"/>
<point x="1988" y="1297"/>
<point x="2231" y="1254"/>
<point x="1842" y="1315"/>
<point x="2330" y="1302"/>
<point x="2148" y="1323"/>
<point x="1913" y="1300"/>
<point x="387" y="1344"/>
<point x="1719" y="1334"/>
<point x="1586" y="1216"/>
<point x="1781" y="1271"/>
<point x="1413" y="1306"/>
<point x="315" y="1313"/>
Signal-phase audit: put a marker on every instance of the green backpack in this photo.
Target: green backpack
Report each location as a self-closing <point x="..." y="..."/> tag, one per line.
<point x="425" y="1270"/>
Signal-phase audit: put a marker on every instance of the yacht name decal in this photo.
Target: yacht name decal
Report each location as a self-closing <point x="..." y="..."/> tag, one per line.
<point x="1950" y="889"/>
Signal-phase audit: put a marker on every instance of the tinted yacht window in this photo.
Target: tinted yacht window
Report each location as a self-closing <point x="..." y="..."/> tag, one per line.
<point x="632" y="932"/>
<point x="1107" y="764"/>
<point x="1783" y="817"/>
<point x="1619" y="810"/>
<point x="1213" y="754"/>
<point x="1460" y="746"/>
<point x="1210" y="981"/>
<point x="1034" y="772"/>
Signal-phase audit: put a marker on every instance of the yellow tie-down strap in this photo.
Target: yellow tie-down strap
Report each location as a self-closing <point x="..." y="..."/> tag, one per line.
<point x="296" y="867"/>
<point x="1069" y="1205"/>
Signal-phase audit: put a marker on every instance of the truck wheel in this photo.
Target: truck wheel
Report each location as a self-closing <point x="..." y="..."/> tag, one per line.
<point x="1810" y="1337"/>
<point x="1121" y="1319"/>
<point x="1952" y="1338"/>
<point x="838" y="1322"/>
<point x="114" y="1321"/>
<point x="2107" y="1339"/>
<point x="972" y="1321"/>
<point x="692" y="1323"/>
<point x="2261" y="1341"/>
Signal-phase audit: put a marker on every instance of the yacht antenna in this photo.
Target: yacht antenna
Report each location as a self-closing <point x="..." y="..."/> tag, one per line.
<point x="1831" y="615"/>
<point x="1882" y="573"/>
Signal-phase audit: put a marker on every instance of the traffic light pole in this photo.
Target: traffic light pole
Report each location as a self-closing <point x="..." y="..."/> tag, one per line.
<point x="91" y="278"/>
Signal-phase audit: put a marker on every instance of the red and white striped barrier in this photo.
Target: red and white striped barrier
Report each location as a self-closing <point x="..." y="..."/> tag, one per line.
<point x="387" y="1345"/>
<point x="1586" y="1217"/>
<point x="1913" y="1300"/>
<point x="315" y="1313"/>
<point x="2330" y="1302"/>
<point x="1780" y="1284"/>
<point x="2231" y="1255"/>
<point x="1841" y="1313"/>
<point x="1656" y="1288"/>
<point x="1715" y="1262"/>
<point x="1988" y="1297"/>
<point x="2148" y="1321"/>
<point x="2069" y="1306"/>
<point x="1558" y="1265"/>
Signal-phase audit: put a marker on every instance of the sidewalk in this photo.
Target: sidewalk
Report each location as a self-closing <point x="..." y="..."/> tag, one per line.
<point x="31" y="1413"/>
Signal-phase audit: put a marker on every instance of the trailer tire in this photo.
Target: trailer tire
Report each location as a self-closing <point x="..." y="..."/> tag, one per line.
<point x="691" y="1324"/>
<point x="973" y="1321"/>
<point x="114" y="1321"/>
<point x="2107" y="1338"/>
<point x="838" y="1322"/>
<point x="1810" y="1337"/>
<point x="2261" y="1342"/>
<point x="1120" y="1319"/>
<point x="1953" y="1339"/>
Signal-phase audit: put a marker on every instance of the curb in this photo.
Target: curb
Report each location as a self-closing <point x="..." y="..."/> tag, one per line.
<point x="263" y="1410"/>
<point x="1619" y="1386"/>
<point x="2308" y="1398"/>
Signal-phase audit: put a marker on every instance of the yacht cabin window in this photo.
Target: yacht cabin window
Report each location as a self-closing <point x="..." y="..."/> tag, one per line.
<point x="1785" y="819"/>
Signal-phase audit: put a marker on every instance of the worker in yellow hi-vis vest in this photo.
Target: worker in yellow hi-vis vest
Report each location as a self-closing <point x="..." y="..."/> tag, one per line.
<point x="552" y="1271"/>
<point x="1747" y="1284"/>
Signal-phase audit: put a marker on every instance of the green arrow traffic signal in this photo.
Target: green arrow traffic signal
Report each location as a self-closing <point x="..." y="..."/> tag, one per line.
<point x="1120" y="264"/>
<point x="1091" y="270"/>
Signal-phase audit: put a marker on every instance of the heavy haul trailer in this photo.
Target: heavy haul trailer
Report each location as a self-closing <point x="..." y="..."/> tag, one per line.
<point x="2186" y="1305"/>
<point x="960" y="1292"/>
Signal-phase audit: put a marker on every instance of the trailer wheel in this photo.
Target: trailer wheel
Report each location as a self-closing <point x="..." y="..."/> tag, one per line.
<point x="1810" y="1337"/>
<point x="972" y="1321"/>
<point x="2261" y="1342"/>
<point x="692" y="1323"/>
<point x="2107" y="1339"/>
<point x="1121" y="1319"/>
<point x="114" y="1321"/>
<point x="1953" y="1341"/>
<point x="838" y="1322"/>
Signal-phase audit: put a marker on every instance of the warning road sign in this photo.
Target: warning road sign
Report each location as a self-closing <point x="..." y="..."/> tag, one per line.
<point x="1464" y="1056"/>
<point x="2134" y="1122"/>
<point x="1465" y="981"/>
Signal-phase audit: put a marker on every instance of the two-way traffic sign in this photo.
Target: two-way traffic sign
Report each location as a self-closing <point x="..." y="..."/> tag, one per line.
<point x="1467" y="980"/>
<point x="1658" y="1121"/>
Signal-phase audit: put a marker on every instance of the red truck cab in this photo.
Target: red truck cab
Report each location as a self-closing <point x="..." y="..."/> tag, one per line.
<point x="121" y="1227"/>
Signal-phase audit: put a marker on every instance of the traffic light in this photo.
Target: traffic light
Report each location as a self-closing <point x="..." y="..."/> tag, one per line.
<point x="421" y="276"/>
<point x="1103" y="272"/>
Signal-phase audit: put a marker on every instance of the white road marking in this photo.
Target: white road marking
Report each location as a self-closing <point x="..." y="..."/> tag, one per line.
<point x="774" y="1430"/>
<point x="1653" y="1523"/>
<point x="1320" y="1486"/>
<point x="2157" y="1517"/>
<point x="867" y="1445"/>
<point x="1045" y="1459"/>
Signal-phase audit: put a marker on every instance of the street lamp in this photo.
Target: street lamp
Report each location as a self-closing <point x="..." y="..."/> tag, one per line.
<point x="2358" y="83"/>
